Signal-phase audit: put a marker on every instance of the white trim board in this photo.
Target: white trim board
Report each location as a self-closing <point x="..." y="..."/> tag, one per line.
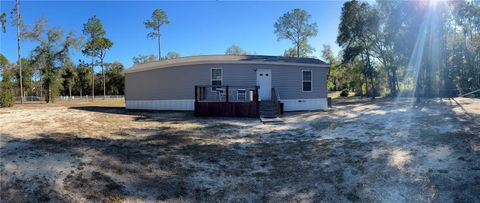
<point x="174" y="105"/>
<point x="304" y="104"/>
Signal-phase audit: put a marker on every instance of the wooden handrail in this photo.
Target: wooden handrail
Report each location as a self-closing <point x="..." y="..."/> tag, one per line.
<point x="231" y="86"/>
<point x="275" y="95"/>
<point x="276" y="99"/>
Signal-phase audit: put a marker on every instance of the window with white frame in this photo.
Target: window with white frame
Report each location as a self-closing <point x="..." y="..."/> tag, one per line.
<point x="307" y="80"/>
<point x="216" y="75"/>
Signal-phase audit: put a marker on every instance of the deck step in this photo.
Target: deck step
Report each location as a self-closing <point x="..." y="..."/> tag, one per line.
<point x="269" y="111"/>
<point x="271" y="120"/>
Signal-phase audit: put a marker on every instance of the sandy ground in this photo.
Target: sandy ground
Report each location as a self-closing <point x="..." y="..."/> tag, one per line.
<point x="358" y="151"/>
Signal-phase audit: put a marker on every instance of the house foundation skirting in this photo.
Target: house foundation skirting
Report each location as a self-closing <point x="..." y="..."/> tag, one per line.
<point x="304" y="104"/>
<point x="174" y="105"/>
<point x="189" y="104"/>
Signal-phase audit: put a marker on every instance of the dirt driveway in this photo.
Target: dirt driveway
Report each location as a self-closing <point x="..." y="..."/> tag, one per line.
<point x="358" y="151"/>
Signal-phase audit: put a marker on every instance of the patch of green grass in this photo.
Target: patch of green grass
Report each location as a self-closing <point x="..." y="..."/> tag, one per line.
<point x="442" y="171"/>
<point x="113" y="186"/>
<point x="209" y="149"/>
<point x="339" y="177"/>
<point x="115" y="198"/>
<point x="122" y="134"/>
<point x="353" y="197"/>
<point x="322" y="125"/>
<point x="377" y="127"/>
<point x="165" y="128"/>
<point x="145" y="162"/>
<point x="336" y="94"/>
<point x="259" y="174"/>
<point x="11" y="154"/>
<point x="219" y="127"/>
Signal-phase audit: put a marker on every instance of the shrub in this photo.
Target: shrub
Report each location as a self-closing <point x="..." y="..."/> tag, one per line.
<point x="7" y="93"/>
<point x="7" y="98"/>
<point x="344" y="93"/>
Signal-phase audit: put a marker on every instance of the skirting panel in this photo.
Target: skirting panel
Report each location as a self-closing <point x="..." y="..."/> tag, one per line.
<point x="179" y="105"/>
<point x="304" y="104"/>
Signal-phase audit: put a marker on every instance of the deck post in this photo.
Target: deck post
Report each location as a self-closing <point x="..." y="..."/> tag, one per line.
<point x="226" y="93"/>
<point x="255" y="98"/>
<point x="196" y="93"/>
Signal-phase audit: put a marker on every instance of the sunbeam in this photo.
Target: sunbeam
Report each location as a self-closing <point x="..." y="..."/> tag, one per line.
<point x="406" y="97"/>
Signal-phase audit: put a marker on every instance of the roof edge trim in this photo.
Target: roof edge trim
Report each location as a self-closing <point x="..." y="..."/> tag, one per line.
<point x="153" y="66"/>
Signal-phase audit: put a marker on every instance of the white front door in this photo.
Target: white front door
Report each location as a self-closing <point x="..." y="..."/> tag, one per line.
<point x="264" y="82"/>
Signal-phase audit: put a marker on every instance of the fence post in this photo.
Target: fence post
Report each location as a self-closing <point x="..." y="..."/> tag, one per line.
<point x="226" y="94"/>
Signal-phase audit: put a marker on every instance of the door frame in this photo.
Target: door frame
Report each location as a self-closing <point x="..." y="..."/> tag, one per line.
<point x="264" y="89"/>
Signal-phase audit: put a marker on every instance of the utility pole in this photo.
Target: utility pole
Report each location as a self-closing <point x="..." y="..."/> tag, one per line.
<point x="18" y="43"/>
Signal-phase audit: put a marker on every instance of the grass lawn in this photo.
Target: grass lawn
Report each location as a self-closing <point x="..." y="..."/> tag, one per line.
<point x="358" y="151"/>
<point x="336" y="94"/>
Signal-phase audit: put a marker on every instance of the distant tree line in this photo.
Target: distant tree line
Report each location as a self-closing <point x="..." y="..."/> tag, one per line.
<point x="400" y="47"/>
<point x="380" y="48"/>
<point x="141" y="59"/>
<point x="48" y="71"/>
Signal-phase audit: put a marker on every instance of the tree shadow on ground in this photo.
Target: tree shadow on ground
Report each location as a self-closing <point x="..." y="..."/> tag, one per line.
<point x="156" y="115"/>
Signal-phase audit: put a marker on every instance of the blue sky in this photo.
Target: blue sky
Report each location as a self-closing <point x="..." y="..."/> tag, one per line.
<point x="207" y="27"/>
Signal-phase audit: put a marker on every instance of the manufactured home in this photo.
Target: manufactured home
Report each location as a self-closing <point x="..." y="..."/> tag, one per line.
<point x="223" y="85"/>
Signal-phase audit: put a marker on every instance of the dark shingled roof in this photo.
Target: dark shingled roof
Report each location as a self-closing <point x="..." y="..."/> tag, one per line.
<point x="265" y="58"/>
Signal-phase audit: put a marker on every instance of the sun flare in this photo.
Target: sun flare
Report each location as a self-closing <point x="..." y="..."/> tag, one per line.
<point x="431" y="3"/>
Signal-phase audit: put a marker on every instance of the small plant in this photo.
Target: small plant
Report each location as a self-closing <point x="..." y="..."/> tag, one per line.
<point x="344" y="93"/>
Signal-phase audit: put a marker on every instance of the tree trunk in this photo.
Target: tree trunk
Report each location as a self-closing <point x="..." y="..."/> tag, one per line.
<point x="159" y="50"/>
<point x="366" y="85"/>
<point x="365" y="75"/>
<point x="373" y="86"/>
<point x="18" y="43"/>
<point x="70" y="90"/>
<point x="93" y="76"/>
<point x="395" y="81"/>
<point x="335" y="84"/>
<point x="298" y="50"/>
<point x="48" y="94"/>
<point x="41" y="86"/>
<point x="369" y="66"/>
<point x="103" y="73"/>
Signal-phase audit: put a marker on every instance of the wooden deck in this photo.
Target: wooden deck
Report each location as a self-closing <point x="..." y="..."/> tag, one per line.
<point x="225" y="108"/>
